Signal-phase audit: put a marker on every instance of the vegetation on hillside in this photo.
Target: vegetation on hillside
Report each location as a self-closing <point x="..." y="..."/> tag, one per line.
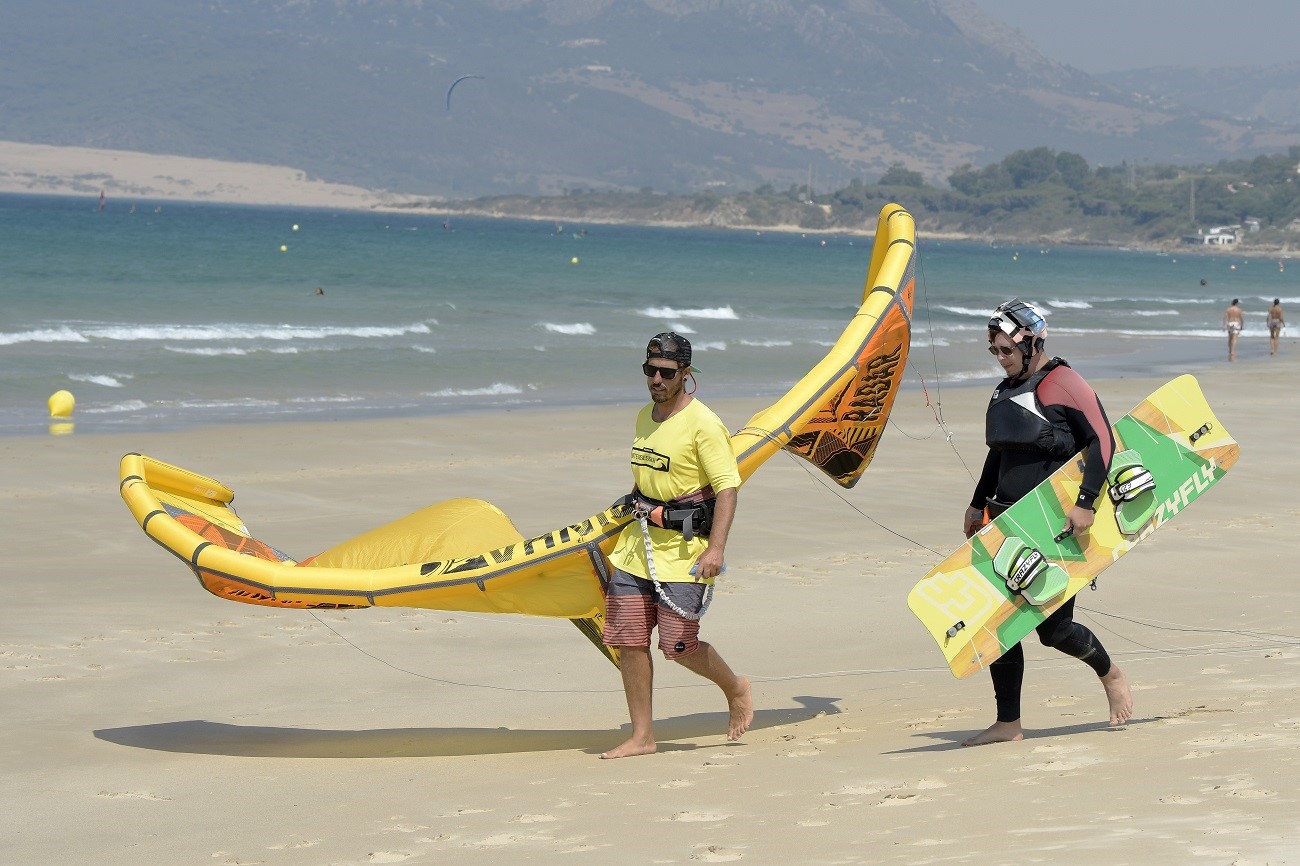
<point x="1034" y="194"/>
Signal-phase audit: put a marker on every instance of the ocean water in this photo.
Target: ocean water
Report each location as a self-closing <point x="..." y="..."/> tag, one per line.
<point x="173" y="315"/>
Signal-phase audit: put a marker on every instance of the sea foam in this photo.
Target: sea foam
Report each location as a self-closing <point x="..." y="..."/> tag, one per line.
<point x="577" y="328"/>
<point x="496" y="389"/>
<point x="43" y="335"/>
<point x="97" y="379"/>
<point x="130" y="332"/>
<point x="701" y="313"/>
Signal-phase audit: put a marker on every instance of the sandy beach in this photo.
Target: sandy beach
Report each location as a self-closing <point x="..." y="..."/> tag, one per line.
<point x="147" y="721"/>
<point x="147" y="179"/>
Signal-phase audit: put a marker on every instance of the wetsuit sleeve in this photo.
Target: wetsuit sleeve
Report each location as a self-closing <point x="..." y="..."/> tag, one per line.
<point x="988" y="483"/>
<point x="1065" y="395"/>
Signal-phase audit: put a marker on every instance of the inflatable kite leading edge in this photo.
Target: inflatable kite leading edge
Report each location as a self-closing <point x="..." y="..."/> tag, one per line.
<point x="465" y="554"/>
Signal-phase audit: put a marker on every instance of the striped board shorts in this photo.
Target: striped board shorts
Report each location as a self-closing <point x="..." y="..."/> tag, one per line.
<point x="633" y="609"/>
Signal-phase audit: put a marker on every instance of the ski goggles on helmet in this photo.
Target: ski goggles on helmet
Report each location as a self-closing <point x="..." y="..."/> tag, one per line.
<point x="1018" y="320"/>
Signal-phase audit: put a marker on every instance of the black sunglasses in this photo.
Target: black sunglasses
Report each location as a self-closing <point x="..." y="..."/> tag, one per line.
<point x="666" y="373"/>
<point x="1002" y="351"/>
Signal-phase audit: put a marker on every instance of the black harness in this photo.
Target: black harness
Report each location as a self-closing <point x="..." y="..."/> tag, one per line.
<point x="1011" y="425"/>
<point x="690" y="515"/>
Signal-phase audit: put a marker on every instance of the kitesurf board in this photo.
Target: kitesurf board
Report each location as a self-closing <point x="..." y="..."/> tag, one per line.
<point x="1169" y="451"/>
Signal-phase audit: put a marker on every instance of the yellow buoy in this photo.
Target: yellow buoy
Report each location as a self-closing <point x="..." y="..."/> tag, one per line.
<point x="295" y="226"/>
<point x="283" y="248"/>
<point x="573" y="261"/>
<point x="61" y="404"/>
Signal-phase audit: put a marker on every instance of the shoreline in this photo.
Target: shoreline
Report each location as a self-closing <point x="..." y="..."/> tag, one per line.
<point x="529" y="415"/>
<point x="1095" y="366"/>
<point x="76" y="172"/>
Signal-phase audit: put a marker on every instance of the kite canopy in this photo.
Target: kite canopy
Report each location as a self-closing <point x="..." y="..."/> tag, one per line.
<point x="451" y="529"/>
<point x="465" y="554"/>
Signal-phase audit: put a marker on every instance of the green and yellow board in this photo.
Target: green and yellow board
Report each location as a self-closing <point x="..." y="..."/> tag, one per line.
<point x="1008" y="577"/>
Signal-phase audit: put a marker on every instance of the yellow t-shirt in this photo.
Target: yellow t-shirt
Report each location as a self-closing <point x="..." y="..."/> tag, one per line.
<point x="686" y="453"/>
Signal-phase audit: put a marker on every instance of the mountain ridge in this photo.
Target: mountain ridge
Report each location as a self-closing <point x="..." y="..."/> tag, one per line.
<point x="672" y="95"/>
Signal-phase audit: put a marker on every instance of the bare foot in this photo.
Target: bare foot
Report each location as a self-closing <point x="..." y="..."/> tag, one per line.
<point x="1119" y="696"/>
<point x="631" y="749"/>
<point x="741" y="706"/>
<point x="998" y="732"/>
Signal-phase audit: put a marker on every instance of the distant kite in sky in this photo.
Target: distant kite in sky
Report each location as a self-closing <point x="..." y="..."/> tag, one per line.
<point x="453" y="87"/>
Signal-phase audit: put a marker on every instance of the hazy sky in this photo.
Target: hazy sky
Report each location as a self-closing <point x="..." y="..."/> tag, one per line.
<point x="1112" y="35"/>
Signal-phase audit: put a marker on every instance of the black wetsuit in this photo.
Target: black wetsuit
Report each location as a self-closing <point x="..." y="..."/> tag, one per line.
<point x="1032" y="428"/>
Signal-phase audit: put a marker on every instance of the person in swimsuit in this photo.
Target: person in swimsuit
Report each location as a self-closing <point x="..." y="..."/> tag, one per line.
<point x="667" y="559"/>
<point x="1025" y="447"/>
<point x="1276" y="322"/>
<point x="1232" y="322"/>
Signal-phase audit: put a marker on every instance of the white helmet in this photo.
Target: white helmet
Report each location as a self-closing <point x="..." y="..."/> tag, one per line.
<point x="1023" y="323"/>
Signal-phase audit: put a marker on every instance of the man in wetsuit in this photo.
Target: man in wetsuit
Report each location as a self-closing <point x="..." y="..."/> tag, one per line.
<point x="1040" y="416"/>
<point x="666" y="560"/>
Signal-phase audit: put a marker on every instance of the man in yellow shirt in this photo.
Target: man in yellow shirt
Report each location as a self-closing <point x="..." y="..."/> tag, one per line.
<point x="666" y="560"/>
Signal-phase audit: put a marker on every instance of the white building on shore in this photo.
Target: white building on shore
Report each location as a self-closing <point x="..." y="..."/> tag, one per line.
<point x="1218" y="236"/>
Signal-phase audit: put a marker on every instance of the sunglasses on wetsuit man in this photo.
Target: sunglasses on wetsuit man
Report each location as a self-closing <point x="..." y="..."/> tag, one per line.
<point x="666" y="373"/>
<point x="1003" y="351"/>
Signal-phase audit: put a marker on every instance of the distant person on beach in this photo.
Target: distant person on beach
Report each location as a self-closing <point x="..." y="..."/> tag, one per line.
<point x="1025" y="447"/>
<point x="666" y="560"/>
<point x="319" y="290"/>
<point x="1276" y="322"/>
<point x="1232" y="322"/>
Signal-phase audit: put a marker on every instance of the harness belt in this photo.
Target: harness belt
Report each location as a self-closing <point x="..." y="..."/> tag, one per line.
<point x="691" y="515"/>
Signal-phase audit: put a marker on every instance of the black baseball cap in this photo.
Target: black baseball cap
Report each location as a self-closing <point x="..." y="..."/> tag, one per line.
<point x="669" y="345"/>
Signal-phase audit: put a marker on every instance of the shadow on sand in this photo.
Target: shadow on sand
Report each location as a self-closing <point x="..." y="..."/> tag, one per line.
<point x="217" y="738"/>
<point x="953" y="739"/>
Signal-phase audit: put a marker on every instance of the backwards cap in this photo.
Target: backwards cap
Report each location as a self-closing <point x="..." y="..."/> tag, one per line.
<point x="671" y="346"/>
